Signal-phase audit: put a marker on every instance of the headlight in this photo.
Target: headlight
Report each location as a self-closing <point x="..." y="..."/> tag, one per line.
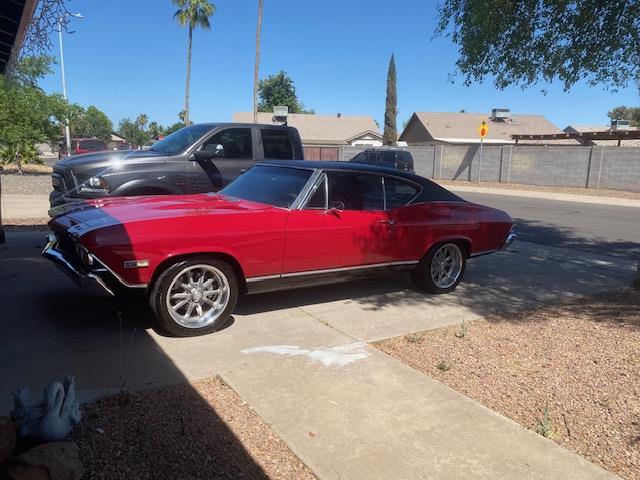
<point x="95" y="183"/>
<point x="84" y="256"/>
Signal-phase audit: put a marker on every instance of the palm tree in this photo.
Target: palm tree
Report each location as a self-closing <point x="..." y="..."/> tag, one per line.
<point x="257" y="64"/>
<point x="142" y="120"/>
<point x="194" y="14"/>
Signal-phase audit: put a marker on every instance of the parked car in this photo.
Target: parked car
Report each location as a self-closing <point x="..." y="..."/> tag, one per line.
<point x="388" y="157"/>
<point x="198" y="158"/>
<point x="124" y="146"/>
<point x="193" y="255"/>
<point x="82" y="145"/>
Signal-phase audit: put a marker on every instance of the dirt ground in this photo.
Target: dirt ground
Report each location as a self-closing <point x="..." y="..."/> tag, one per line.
<point x="198" y="431"/>
<point x="580" y="362"/>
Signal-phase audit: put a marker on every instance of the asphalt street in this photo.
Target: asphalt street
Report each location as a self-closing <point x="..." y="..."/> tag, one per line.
<point x="603" y="229"/>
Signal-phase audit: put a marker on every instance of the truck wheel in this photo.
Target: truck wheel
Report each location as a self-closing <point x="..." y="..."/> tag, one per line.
<point x="194" y="296"/>
<point x="441" y="269"/>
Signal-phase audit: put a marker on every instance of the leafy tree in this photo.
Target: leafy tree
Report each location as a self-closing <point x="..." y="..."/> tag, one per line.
<point x="194" y="14"/>
<point x="91" y="122"/>
<point x="133" y="132"/>
<point x="626" y="113"/>
<point x="278" y="89"/>
<point x="155" y="129"/>
<point x="174" y="128"/>
<point x="390" y="136"/>
<point x="27" y="114"/>
<point x="522" y="42"/>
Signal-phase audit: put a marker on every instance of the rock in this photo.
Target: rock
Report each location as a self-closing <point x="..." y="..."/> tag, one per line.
<point x="8" y="439"/>
<point x="61" y="461"/>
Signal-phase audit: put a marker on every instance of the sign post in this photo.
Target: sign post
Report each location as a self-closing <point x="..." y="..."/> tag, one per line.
<point x="483" y="129"/>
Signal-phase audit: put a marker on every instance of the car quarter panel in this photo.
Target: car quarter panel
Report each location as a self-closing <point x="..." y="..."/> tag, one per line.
<point x="418" y="227"/>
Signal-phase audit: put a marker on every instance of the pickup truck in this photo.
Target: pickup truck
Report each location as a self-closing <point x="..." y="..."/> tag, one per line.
<point x="199" y="158"/>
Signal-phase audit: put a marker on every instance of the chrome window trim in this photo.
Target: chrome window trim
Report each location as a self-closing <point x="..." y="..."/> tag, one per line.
<point x="305" y="192"/>
<point x="322" y="177"/>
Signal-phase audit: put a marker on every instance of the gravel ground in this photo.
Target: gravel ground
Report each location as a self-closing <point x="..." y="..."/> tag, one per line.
<point x="198" y="431"/>
<point x="538" y="188"/>
<point x="29" y="184"/>
<point x="579" y="361"/>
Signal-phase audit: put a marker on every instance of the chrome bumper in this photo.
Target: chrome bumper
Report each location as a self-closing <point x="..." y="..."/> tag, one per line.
<point x="509" y="240"/>
<point x="89" y="281"/>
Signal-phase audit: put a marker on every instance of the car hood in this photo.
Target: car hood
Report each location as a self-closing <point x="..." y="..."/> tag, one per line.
<point x="106" y="158"/>
<point x="82" y="217"/>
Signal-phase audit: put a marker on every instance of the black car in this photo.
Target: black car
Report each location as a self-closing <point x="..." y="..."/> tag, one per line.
<point x="198" y="158"/>
<point x="388" y="157"/>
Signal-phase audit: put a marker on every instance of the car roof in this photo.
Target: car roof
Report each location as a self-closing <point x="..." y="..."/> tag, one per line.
<point x="236" y="124"/>
<point x="430" y="190"/>
<point x="347" y="166"/>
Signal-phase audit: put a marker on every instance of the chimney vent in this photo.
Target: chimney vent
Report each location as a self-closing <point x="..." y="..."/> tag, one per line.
<point x="500" y="114"/>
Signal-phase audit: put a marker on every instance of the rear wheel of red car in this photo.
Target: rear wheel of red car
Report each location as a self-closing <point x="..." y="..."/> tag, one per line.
<point x="195" y="296"/>
<point x="441" y="270"/>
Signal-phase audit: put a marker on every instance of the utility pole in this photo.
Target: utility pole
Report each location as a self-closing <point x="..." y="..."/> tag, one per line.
<point x="257" y="64"/>
<point x="67" y="129"/>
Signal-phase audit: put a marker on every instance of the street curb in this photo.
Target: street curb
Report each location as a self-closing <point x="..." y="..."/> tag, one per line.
<point x="564" y="197"/>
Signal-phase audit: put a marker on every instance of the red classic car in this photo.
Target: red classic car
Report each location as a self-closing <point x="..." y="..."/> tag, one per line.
<point x="280" y="225"/>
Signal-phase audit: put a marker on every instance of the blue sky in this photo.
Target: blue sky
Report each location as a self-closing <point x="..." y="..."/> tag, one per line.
<point x="129" y="57"/>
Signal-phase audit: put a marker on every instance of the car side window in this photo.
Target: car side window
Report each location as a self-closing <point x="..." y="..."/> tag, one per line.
<point x="276" y="144"/>
<point x="236" y="143"/>
<point x="355" y="191"/>
<point x="398" y="193"/>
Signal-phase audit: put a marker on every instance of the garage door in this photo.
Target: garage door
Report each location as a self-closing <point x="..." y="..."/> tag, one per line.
<point x="321" y="153"/>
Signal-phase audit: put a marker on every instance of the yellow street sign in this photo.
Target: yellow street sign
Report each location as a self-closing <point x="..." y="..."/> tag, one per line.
<point x="483" y="129"/>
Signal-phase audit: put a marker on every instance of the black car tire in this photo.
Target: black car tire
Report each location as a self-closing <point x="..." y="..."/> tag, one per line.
<point x="170" y="278"/>
<point x="423" y="274"/>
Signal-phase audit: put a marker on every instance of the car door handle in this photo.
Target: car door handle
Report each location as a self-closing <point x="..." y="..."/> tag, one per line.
<point x="387" y="221"/>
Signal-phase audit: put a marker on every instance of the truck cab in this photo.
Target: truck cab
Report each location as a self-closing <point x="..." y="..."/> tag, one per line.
<point x="195" y="159"/>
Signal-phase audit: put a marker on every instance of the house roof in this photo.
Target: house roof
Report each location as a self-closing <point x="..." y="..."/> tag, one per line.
<point x="463" y="127"/>
<point x="320" y="129"/>
<point x="586" y="128"/>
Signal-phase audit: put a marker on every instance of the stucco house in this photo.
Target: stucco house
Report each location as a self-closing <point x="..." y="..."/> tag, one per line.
<point x="447" y="128"/>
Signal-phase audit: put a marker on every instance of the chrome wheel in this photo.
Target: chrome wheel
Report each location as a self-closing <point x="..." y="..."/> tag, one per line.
<point x="197" y="296"/>
<point x="446" y="265"/>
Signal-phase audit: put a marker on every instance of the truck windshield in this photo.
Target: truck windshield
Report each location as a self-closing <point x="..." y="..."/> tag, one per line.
<point x="278" y="186"/>
<point x="178" y="141"/>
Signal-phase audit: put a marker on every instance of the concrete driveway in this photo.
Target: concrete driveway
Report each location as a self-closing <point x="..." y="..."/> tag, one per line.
<point x="301" y="360"/>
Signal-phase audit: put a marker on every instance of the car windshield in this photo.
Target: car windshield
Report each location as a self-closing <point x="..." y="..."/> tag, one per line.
<point x="278" y="186"/>
<point x="178" y="141"/>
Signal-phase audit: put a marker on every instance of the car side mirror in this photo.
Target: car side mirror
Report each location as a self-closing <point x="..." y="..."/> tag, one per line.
<point x="201" y="156"/>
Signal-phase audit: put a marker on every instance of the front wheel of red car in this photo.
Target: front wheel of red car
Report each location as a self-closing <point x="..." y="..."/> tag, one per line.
<point x="441" y="270"/>
<point x="194" y="296"/>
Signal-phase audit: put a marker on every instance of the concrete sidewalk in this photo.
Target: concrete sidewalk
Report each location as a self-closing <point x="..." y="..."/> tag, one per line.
<point x="300" y="360"/>
<point x="564" y="197"/>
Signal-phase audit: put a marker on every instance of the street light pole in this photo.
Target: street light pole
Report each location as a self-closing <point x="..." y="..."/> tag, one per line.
<point x="67" y="130"/>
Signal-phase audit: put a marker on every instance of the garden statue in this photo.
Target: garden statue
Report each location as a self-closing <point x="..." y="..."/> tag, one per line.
<point x="52" y="419"/>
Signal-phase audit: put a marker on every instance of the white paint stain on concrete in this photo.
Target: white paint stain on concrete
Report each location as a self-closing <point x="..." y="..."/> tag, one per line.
<point x="339" y="356"/>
